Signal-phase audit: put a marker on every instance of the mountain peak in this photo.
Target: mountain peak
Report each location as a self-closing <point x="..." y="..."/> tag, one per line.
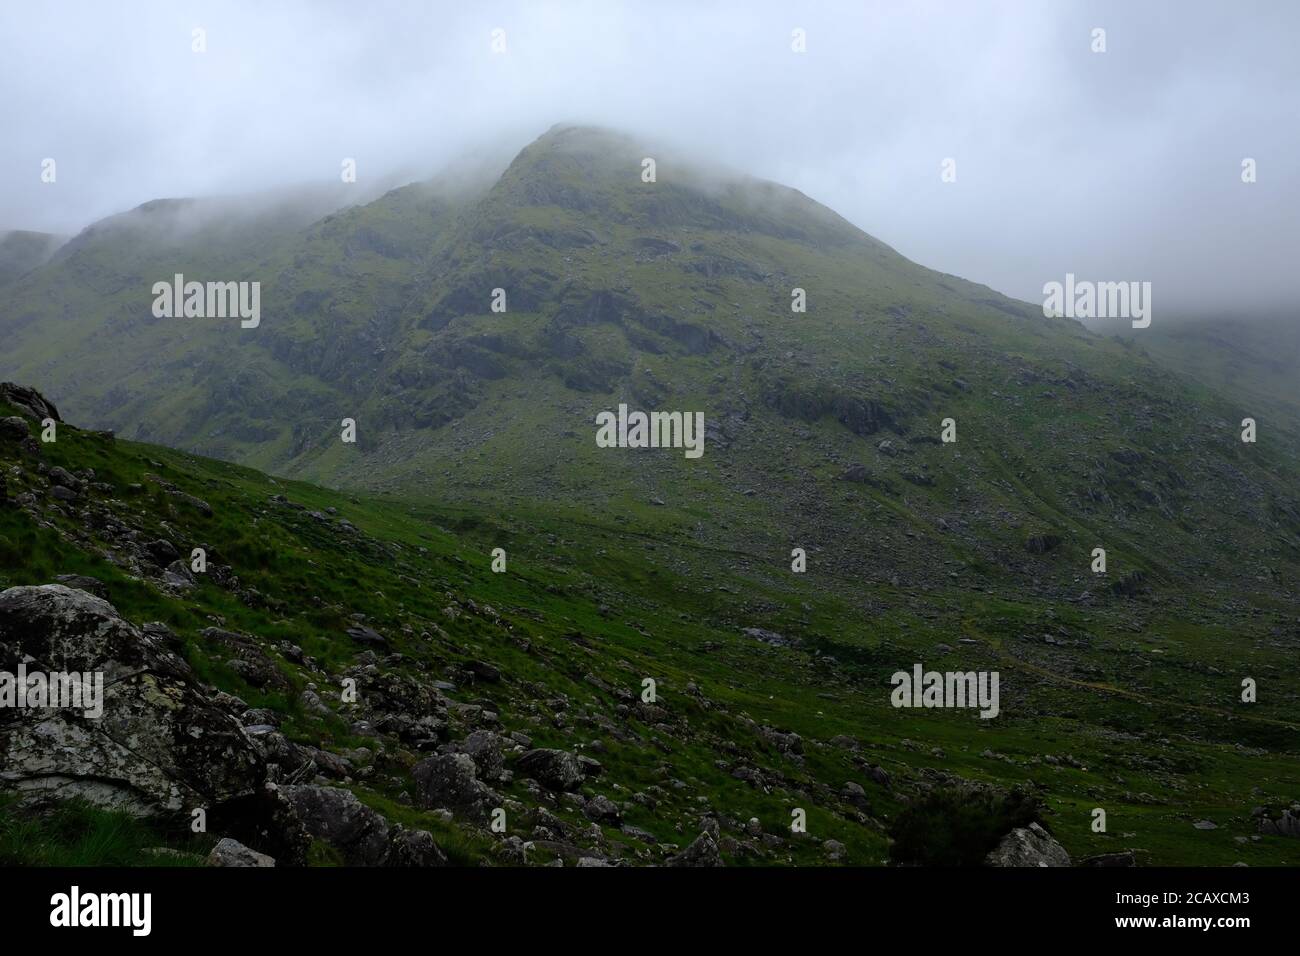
<point x="596" y="171"/>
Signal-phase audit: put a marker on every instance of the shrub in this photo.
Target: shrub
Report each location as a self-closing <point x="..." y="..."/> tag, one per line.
<point x="958" y="826"/>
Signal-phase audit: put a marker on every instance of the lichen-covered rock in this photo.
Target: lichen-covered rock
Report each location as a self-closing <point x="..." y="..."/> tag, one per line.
<point x="230" y="852"/>
<point x="159" y="748"/>
<point x="484" y="748"/>
<point x="1028" y="846"/>
<point x="451" y="781"/>
<point x="337" y="816"/>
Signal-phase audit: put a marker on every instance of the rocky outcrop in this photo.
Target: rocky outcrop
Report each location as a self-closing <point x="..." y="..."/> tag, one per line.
<point x="1042" y="543"/>
<point x="770" y="637"/>
<point x="28" y="401"/>
<point x="160" y="747"/>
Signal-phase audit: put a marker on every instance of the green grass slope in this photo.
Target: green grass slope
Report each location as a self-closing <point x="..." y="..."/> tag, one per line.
<point x="1140" y="719"/>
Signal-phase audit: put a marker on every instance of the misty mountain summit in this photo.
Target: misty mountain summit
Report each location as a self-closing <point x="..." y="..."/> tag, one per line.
<point x="474" y="334"/>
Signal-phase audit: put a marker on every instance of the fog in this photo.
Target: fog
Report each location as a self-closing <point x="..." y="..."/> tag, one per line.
<point x="1116" y="165"/>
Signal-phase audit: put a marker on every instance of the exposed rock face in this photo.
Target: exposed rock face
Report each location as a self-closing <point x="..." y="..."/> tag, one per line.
<point x="1042" y="543"/>
<point x="28" y="401"/>
<point x="1028" y="846"/>
<point x="159" y="748"/>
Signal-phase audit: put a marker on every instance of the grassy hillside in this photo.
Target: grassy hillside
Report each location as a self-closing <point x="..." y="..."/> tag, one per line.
<point x="1131" y="708"/>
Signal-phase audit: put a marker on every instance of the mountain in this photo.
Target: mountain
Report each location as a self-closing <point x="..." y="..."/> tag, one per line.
<point x="823" y="426"/>
<point x="824" y="431"/>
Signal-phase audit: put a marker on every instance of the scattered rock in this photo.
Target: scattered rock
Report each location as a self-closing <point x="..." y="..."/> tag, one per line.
<point x="367" y="635"/>
<point x="554" y="769"/>
<point x="451" y="780"/>
<point x="1286" y="825"/>
<point x="770" y="637"/>
<point x="484" y="748"/>
<point x="1028" y="846"/>
<point x="230" y="852"/>
<point x="337" y="816"/>
<point x="601" y="809"/>
<point x="702" y="852"/>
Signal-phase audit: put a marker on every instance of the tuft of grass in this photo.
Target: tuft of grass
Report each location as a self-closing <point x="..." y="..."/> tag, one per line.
<point x="75" y="833"/>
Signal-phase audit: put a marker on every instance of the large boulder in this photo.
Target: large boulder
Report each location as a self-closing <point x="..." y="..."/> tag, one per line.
<point x="1028" y="846"/>
<point x="413" y="848"/>
<point x="553" y="769"/>
<point x="484" y="748"/>
<point x="14" y="428"/>
<point x="159" y="747"/>
<point x="338" y="817"/>
<point x="451" y="781"/>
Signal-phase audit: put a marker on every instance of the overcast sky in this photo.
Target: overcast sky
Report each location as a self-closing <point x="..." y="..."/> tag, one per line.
<point x="1117" y="165"/>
